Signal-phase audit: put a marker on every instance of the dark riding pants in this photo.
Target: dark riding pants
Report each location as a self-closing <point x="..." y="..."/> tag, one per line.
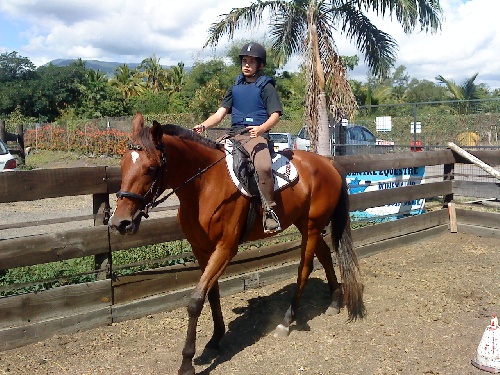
<point x="259" y="154"/>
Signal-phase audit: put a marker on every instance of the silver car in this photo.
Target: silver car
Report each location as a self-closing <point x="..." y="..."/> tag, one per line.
<point x="359" y="140"/>
<point x="282" y="141"/>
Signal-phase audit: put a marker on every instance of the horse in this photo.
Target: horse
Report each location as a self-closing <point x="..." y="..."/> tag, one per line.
<point x="212" y="214"/>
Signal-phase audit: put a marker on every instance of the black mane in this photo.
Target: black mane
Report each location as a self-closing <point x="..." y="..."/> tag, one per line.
<point x="187" y="134"/>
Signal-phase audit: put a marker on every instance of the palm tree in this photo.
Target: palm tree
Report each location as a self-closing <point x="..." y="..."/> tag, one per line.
<point x="307" y="27"/>
<point x="94" y="89"/>
<point x="127" y="81"/>
<point x="467" y="91"/>
<point x="154" y="73"/>
<point x="176" y="77"/>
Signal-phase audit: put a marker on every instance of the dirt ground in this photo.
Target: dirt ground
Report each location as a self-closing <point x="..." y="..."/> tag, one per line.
<point x="428" y="305"/>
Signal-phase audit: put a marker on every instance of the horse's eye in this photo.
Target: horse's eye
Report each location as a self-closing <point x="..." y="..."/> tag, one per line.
<point x="152" y="170"/>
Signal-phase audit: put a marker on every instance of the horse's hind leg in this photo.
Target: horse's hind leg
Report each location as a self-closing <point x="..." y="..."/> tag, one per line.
<point x="325" y="257"/>
<point x="308" y="247"/>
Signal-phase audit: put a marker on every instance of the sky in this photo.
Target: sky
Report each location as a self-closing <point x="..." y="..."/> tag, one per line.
<point x="128" y="31"/>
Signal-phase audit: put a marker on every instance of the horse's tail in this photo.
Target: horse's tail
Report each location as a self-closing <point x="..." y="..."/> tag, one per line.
<point x="347" y="258"/>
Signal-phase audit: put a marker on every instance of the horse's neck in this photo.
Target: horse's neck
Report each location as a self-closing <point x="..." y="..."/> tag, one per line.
<point x="187" y="159"/>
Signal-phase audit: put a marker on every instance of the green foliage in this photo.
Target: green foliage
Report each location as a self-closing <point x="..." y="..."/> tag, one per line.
<point x="14" y="67"/>
<point x="150" y="102"/>
<point x="46" y="276"/>
<point x="70" y="94"/>
<point x="134" y="260"/>
<point x="16" y="118"/>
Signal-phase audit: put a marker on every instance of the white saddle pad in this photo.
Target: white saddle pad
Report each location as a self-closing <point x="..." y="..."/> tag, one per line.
<point x="286" y="171"/>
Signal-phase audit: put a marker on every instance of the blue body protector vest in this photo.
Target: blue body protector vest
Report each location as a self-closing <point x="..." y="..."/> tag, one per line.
<point x="248" y="107"/>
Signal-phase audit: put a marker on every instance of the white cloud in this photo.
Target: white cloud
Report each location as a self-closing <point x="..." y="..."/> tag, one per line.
<point x="130" y="30"/>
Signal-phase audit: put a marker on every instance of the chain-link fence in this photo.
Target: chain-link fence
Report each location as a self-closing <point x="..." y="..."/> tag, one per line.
<point x="430" y="125"/>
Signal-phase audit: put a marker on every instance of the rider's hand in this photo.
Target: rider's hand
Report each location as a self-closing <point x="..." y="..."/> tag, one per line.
<point x="254" y="131"/>
<point x="199" y="128"/>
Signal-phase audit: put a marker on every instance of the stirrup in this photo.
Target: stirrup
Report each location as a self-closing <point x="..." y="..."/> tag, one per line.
<point x="270" y="222"/>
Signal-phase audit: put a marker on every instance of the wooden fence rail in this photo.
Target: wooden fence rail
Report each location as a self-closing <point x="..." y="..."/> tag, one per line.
<point x="34" y="316"/>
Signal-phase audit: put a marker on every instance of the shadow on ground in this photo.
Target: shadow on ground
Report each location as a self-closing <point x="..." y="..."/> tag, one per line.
<point x="261" y="317"/>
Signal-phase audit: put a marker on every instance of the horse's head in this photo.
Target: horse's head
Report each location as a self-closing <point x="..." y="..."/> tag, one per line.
<point x="142" y="169"/>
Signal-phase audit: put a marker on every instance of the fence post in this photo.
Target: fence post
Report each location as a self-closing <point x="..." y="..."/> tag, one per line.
<point x="20" y="142"/>
<point x="102" y="262"/>
<point x="448" y="174"/>
<point x="2" y="130"/>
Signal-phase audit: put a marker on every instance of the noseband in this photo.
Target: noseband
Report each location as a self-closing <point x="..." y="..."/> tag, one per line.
<point x="155" y="186"/>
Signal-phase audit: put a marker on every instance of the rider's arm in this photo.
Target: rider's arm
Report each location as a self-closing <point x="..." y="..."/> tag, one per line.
<point x="212" y="121"/>
<point x="268" y="125"/>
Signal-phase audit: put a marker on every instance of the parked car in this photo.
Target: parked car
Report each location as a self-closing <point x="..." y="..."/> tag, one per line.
<point x="7" y="161"/>
<point x="282" y="141"/>
<point x="358" y="140"/>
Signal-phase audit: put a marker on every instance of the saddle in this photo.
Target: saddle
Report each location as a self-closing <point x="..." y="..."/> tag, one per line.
<point x="243" y="174"/>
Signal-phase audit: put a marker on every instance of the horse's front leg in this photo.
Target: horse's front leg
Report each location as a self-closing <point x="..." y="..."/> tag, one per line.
<point x="208" y="281"/>
<point x="308" y="247"/>
<point x="194" y="310"/>
<point x="212" y="348"/>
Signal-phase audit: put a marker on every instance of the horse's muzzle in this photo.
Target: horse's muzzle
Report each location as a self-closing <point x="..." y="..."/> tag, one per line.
<point x="126" y="226"/>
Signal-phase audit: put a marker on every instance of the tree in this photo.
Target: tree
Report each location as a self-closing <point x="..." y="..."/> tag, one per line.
<point x="127" y="81"/>
<point x="14" y="67"/>
<point x="156" y="76"/>
<point x="424" y="91"/>
<point x="466" y="91"/>
<point x="55" y="89"/>
<point x="306" y="27"/>
<point x="176" y="77"/>
<point x="400" y="80"/>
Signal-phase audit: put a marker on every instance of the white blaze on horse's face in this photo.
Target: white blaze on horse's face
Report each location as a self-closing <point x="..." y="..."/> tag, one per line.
<point x="135" y="156"/>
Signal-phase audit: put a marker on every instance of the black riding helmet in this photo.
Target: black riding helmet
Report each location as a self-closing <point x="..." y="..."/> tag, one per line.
<point x="254" y="50"/>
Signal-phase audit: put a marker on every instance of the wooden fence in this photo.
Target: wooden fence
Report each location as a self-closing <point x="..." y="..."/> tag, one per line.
<point x="32" y="317"/>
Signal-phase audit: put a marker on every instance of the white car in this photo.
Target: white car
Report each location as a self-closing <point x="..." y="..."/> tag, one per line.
<point x="7" y="161"/>
<point x="282" y="141"/>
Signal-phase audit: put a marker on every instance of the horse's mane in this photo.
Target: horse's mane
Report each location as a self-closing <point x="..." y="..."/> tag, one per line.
<point x="187" y="134"/>
<point x="143" y="138"/>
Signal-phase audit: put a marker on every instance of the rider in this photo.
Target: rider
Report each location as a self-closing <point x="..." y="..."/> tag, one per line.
<point x="253" y="103"/>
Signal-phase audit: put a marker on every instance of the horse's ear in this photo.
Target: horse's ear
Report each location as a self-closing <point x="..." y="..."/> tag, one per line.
<point x="137" y="123"/>
<point x="156" y="132"/>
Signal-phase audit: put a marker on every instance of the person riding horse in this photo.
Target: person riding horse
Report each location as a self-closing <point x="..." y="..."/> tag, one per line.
<point x="254" y="104"/>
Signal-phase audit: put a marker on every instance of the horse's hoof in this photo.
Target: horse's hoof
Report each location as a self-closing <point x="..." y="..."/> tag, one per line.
<point x="281" y="331"/>
<point x="332" y="310"/>
<point x="337" y="299"/>
<point x="186" y="369"/>
<point x="186" y="372"/>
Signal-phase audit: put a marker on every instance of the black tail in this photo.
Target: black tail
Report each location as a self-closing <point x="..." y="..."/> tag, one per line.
<point x="347" y="258"/>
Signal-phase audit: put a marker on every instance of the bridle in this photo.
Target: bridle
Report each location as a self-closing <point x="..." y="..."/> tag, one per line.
<point x="155" y="186"/>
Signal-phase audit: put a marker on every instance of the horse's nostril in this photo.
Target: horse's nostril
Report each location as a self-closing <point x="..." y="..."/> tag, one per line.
<point x="124" y="225"/>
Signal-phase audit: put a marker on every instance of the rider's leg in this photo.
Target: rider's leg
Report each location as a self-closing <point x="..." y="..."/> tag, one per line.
<point x="259" y="153"/>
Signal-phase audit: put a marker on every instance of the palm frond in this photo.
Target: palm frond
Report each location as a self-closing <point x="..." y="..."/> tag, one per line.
<point x="288" y="32"/>
<point x="249" y="17"/>
<point x="409" y="13"/>
<point x="378" y="47"/>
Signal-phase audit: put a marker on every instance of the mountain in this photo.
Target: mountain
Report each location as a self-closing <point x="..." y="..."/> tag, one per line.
<point x="106" y="67"/>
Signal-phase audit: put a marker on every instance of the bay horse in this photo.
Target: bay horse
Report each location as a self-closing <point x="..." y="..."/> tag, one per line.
<point x="212" y="214"/>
